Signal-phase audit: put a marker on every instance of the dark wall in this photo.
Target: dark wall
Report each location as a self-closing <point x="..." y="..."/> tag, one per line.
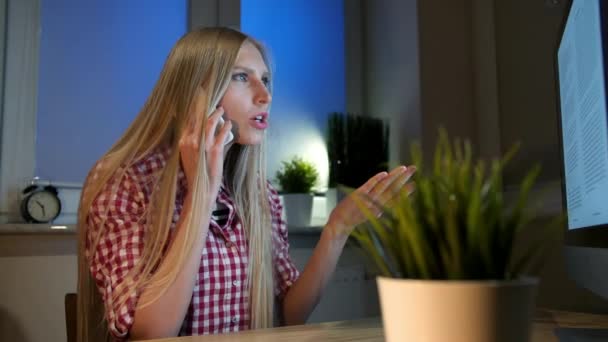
<point x="526" y="41"/>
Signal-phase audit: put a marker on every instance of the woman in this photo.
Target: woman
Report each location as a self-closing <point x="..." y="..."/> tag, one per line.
<point x="180" y="233"/>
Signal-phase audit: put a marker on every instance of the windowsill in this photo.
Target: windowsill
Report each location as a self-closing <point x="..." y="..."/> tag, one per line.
<point x="45" y="229"/>
<point x="30" y="228"/>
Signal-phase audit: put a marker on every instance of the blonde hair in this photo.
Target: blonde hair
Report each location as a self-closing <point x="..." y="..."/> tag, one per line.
<point x="202" y="57"/>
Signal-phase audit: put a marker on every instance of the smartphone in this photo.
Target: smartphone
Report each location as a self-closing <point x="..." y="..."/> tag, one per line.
<point x="230" y="135"/>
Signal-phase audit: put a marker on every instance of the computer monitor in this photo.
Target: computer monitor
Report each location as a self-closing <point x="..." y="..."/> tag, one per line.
<point x="582" y="70"/>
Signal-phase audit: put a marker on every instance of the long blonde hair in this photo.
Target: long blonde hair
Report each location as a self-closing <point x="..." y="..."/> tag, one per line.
<point x="202" y="57"/>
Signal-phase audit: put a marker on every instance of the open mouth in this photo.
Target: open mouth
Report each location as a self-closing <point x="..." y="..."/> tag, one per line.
<point x="260" y="119"/>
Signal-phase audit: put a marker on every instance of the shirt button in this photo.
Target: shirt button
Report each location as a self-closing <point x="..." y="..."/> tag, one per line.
<point x="234" y="319"/>
<point x="229" y="244"/>
<point x="236" y="283"/>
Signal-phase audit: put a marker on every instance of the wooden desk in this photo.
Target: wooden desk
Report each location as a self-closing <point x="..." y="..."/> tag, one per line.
<point x="545" y="325"/>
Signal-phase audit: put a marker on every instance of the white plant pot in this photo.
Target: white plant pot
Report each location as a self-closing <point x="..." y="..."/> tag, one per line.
<point x="298" y="209"/>
<point x="333" y="196"/>
<point x="457" y="311"/>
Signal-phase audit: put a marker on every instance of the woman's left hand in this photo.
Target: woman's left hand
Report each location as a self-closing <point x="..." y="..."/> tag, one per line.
<point x="377" y="192"/>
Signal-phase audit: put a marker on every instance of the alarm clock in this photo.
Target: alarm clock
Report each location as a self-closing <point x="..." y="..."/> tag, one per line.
<point x="40" y="204"/>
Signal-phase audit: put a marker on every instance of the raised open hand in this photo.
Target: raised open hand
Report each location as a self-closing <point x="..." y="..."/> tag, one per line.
<point x="377" y="192"/>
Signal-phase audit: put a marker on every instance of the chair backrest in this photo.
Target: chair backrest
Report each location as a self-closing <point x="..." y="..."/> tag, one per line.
<point x="70" y="316"/>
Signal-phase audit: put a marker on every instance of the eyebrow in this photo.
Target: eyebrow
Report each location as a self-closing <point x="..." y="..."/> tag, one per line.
<point x="251" y="71"/>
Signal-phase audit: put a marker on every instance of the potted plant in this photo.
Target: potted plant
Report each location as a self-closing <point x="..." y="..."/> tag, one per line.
<point x="297" y="178"/>
<point x="357" y="149"/>
<point x="445" y="253"/>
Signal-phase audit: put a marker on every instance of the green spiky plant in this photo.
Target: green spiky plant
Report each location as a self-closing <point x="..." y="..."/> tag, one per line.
<point x="456" y="225"/>
<point x="297" y="176"/>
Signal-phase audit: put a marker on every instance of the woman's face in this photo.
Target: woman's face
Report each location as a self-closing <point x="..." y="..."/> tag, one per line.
<point x="247" y="99"/>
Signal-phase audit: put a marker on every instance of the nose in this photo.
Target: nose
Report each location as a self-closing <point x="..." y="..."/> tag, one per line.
<point x="262" y="96"/>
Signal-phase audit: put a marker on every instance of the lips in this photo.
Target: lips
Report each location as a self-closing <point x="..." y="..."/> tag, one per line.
<point x="260" y="120"/>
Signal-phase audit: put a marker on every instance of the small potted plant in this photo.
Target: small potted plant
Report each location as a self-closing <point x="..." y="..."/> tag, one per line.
<point x="445" y="253"/>
<point x="297" y="179"/>
<point x="357" y="149"/>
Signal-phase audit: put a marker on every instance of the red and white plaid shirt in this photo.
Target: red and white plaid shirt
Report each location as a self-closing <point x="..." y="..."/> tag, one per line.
<point x="219" y="301"/>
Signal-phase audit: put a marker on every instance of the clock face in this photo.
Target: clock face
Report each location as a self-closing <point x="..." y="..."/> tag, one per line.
<point x="43" y="206"/>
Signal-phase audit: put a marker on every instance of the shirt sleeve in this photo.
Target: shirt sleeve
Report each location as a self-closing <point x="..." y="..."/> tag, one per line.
<point x="119" y="219"/>
<point x="285" y="272"/>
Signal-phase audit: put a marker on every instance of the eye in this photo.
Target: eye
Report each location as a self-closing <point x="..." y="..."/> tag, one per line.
<point x="241" y="76"/>
<point x="266" y="81"/>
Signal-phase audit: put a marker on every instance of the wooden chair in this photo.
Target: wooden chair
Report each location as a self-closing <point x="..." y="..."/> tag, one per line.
<point x="70" y="316"/>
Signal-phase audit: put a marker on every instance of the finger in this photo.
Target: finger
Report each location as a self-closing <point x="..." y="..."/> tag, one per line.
<point x="401" y="193"/>
<point x="372" y="182"/>
<point x="393" y="188"/>
<point x="211" y="126"/>
<point x="398" y="184"/>
<point x="381" y="187"/>
<point x="410" y="188"/>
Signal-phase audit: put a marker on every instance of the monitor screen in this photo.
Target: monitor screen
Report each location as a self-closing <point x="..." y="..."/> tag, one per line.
<point x="584" y="126"/>
<point x="581" y="77"/>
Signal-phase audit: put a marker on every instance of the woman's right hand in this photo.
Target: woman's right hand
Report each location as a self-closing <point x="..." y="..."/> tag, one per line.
<point x="164" y="316"/>
<point x="189" y="148"/>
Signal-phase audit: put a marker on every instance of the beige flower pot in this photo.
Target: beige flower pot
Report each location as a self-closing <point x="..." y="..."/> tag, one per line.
<point x="457" y="311"/>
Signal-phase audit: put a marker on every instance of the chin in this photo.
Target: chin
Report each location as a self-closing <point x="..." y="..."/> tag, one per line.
<point x="250" y="140"/>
